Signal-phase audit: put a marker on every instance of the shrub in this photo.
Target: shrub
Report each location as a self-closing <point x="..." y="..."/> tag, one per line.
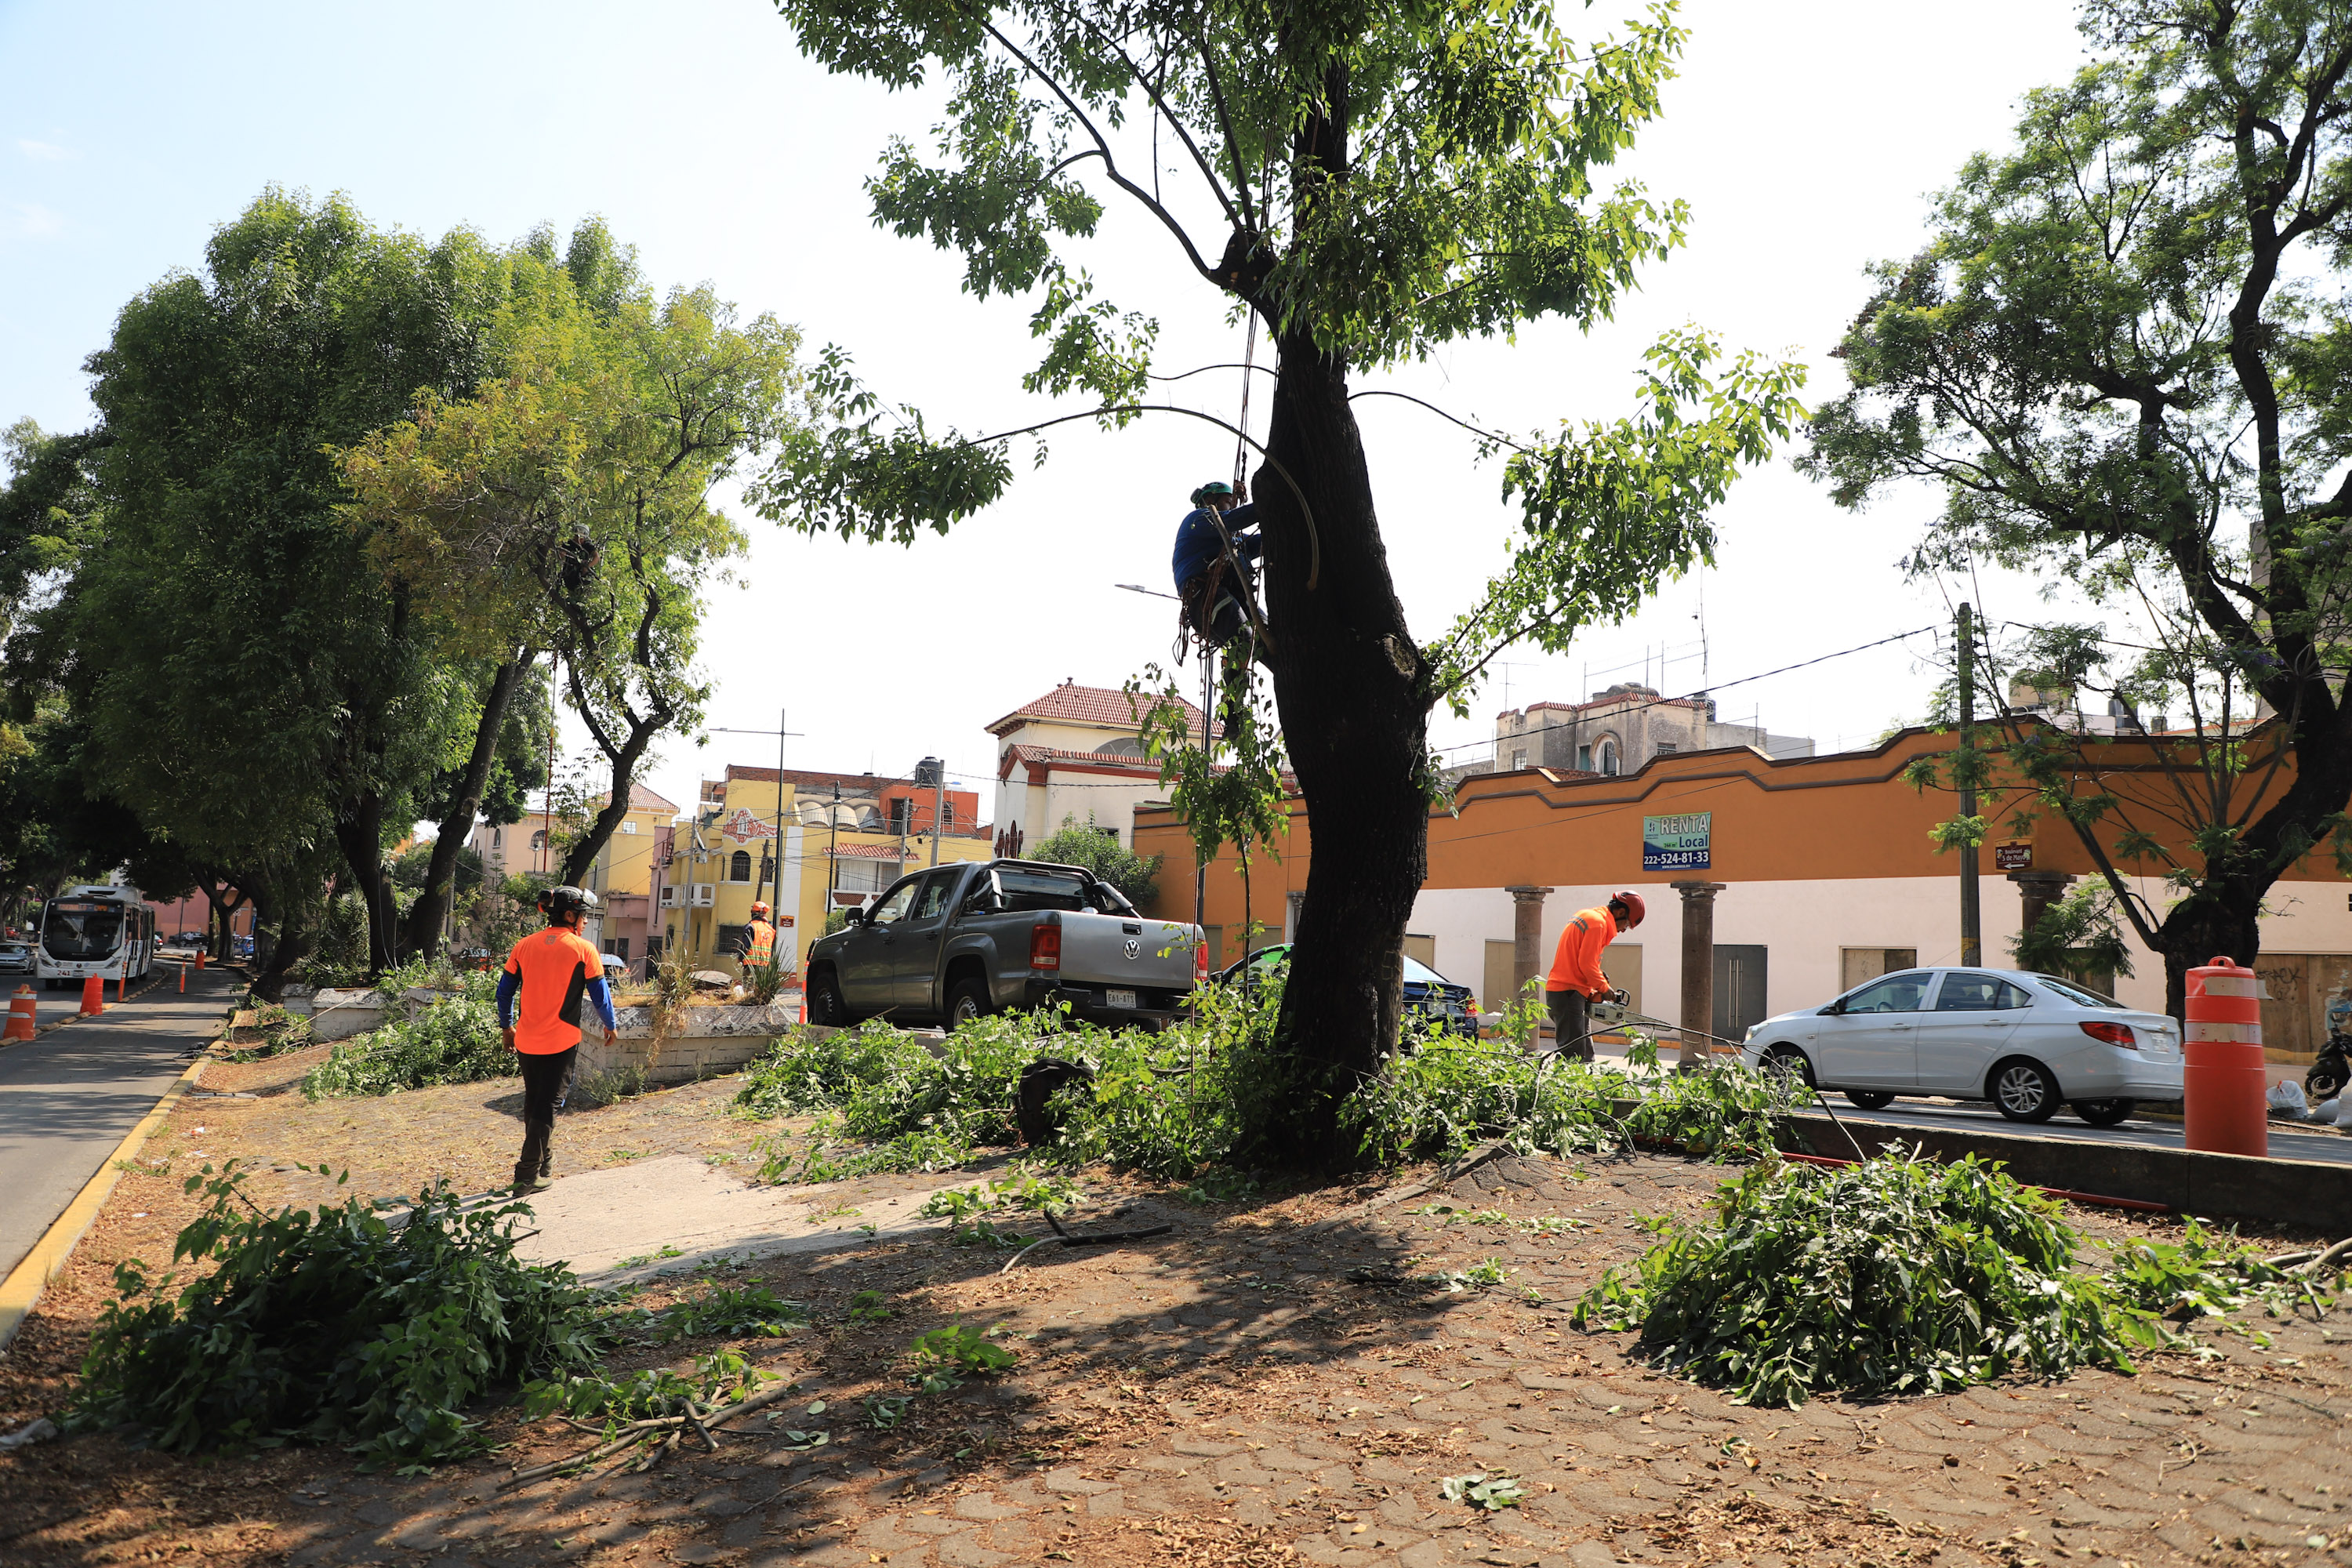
<point x="1891" y="1275"/>
<point x="329" y="1325"/>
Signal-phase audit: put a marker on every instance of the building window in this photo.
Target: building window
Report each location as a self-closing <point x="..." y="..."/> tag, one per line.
<point x="538" y="841"/>
<point x="628" y="826"/>
<point x="1584" y="759"/>
<point x="1665" y="747"/>
<point x="1518" y="761"/>
<point x="902" y="814"/>
<point x="946" y="816"/>
<point x="1609" y="758"/>
<point x="739" y="867"/>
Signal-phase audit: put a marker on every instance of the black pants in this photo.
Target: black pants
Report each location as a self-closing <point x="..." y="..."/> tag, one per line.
<point x="543" y="1073"/>
<point x="1572" y="1034"/>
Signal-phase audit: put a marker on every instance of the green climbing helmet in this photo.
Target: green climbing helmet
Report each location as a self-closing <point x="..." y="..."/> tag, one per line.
<point x="1214" y="488"/>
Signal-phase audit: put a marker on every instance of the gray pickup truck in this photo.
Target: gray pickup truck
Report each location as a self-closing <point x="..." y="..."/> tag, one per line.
<point x="951" y="943"/>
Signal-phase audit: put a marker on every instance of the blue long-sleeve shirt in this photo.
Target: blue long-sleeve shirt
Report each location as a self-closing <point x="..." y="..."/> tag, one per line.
<point x="596" y="991"/>
<point x="1196" y="540"/>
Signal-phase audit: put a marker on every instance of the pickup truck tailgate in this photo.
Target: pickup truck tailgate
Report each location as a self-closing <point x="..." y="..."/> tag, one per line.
<point x="1117" y="953"/>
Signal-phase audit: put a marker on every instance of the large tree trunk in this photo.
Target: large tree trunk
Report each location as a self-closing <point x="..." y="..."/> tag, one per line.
<point x="1348" y="682"/>
<point x="421" y="929"/>
<point x="274" y="955"/>
<point x="625" y="753"/>
<point x="2202" y="929"/>
<point x="359" y="833"/>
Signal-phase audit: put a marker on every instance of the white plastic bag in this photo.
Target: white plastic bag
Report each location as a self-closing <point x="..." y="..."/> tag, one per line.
<point x="2288" y="1102"/>
<point x="2336" y="1112"/>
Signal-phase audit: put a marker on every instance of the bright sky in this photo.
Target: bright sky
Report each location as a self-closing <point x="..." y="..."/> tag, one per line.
<point x="1806" y="138"/>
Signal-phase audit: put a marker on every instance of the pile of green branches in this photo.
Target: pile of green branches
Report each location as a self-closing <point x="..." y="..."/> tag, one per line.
<point x="336" y="1325"/>
<point x="453" y="1037"/>
<point x="1900" y="1275"/>
<point x="330" y="1325"/>
<point x="1193" y="1096"/>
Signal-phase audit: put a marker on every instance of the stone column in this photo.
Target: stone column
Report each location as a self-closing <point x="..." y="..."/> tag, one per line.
<point x="1526" y="940"/>
<point x="1698" y="969"/>
<point x="2038" y="891"/>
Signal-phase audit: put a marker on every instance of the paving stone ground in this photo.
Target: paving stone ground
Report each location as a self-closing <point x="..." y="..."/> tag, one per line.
<point x="1252" y="1390"/>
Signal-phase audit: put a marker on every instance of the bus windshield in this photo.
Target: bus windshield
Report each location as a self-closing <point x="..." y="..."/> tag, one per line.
<point x="82" y="931"/>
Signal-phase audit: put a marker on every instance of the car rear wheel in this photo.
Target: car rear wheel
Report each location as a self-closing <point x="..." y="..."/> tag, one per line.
<point x="966" y="1000"/>
<point x="2023" y="1090"/>
<point x="1789" y="1059"/>
<point x="2104" y="1112"/>
<point x="1871" y="1099"/>
<point x="825" y="1003"/>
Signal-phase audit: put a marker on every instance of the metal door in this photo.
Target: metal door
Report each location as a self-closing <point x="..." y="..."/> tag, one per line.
<point x="1738" y="990"/>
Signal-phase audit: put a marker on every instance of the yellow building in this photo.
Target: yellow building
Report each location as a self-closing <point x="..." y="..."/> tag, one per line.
<point x="847" y="837"/>
<point x="622" y="874"/>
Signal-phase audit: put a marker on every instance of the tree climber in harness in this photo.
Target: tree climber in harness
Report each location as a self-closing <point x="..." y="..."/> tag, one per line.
<point x="1213" y="544"/>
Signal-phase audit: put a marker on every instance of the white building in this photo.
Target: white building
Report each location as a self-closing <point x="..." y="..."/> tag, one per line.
<point x="1073" y="754"/>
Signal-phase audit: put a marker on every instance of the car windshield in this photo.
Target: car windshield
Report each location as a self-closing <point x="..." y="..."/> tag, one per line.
<point x="80" y="930"/>
<point x="1419" y="973"/>
<point x="2079" y="995"/>
<point x="1025" y="889"/>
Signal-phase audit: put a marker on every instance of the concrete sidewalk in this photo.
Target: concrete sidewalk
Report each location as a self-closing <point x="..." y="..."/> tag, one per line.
<point x="69" y="1096"/>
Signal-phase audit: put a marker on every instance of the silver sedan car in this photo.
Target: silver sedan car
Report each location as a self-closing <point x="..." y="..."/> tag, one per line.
<point x="2029" y="1042"/>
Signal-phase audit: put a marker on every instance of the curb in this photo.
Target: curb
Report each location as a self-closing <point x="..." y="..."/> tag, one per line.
<point x="22" y="1289"/>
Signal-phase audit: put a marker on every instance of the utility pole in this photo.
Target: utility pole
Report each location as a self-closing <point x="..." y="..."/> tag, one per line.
<point x="1972" y="935"/>
<point x="781" y="729"/>
<point x="832" y="851"/>
<point x="938" y="803"/>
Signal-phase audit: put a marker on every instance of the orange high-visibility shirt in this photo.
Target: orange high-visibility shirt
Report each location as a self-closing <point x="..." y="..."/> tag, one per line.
<point x="1576" y="965"/>
<point x="556" y="967"/>
<point x="762" y="945"/>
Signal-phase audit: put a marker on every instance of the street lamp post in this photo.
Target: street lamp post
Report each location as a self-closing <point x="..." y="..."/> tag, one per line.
<point x="780" y="732"/>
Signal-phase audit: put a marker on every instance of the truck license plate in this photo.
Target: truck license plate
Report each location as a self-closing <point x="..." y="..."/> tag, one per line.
<point x="1122" y="998"/>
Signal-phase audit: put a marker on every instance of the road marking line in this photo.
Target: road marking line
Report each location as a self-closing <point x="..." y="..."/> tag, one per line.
<point x="22" y="1289"/>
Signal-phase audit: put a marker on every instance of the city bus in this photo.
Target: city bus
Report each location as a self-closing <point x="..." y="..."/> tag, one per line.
<point x="96" y="929"/>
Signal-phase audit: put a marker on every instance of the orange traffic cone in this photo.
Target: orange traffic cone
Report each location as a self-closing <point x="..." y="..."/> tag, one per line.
<point x="93" y="997"/>
<point x="200" y="958"/>
<point x="20" y="1015"/>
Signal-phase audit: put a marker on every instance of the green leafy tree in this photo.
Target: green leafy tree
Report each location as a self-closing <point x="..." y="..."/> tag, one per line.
<point x="2123" y="355"/>
<point x="564" y="502"/>
<point x="1369" y="183"/>
<point x="1076" y="843"/>
<point x="248" y="688"/>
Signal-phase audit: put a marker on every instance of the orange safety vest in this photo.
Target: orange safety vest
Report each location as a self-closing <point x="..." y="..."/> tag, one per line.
<point x="1576" y="966"/>
<point x="764" y="945"/>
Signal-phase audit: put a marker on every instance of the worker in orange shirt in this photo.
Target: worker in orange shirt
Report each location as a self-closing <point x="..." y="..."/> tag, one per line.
<point x="1576" y="979"/>
<point x="760" y="943"/>
<point x="547" y="976"/>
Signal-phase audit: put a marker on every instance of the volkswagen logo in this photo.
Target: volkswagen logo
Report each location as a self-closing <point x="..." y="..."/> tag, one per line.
<point x="1133" y="947"/>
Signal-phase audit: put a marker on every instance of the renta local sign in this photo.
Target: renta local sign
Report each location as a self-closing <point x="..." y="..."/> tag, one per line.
<point x="1678" y="843"/>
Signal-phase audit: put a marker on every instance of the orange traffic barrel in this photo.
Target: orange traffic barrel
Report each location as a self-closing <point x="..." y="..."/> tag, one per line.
<point x="20" y="1015"/>
<point x="2224" y="1086"/>
<point x="200" y="958"/>
<point x="93" y="997"/>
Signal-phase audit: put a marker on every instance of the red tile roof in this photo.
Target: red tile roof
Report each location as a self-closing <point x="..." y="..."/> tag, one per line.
<point x="1074" y="704"/>
<point x="865" y="852"/>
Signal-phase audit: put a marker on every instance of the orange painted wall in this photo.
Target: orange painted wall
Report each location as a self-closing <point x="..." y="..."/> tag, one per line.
<point x="1795" y="819"/>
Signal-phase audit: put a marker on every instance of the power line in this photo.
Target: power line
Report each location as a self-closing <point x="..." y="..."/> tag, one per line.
<point x="1718" y="686"/>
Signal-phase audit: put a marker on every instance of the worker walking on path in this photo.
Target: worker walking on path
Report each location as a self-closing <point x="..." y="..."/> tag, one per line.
<point x="761" y="945"/>
<point x="1576" y="981"/>
<point x="547" y="976"/>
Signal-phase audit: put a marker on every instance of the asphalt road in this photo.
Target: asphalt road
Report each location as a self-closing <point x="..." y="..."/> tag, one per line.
<point x="69" y="1096"/>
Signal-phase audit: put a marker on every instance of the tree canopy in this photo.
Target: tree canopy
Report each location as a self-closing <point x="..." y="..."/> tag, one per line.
<point x="2122" y="356"/>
